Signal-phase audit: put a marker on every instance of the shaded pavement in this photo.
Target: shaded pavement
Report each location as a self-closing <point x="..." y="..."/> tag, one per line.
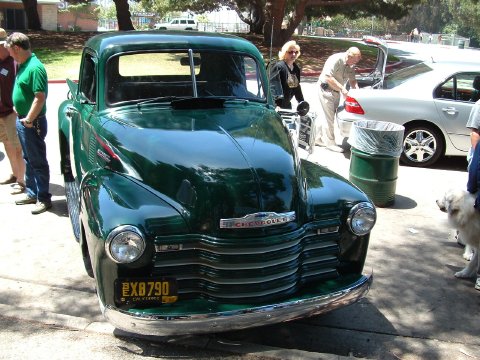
<point x="416" y="308"/>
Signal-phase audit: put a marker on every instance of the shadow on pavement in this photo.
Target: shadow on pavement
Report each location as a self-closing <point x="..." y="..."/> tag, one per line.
<point x="403" y="203"/>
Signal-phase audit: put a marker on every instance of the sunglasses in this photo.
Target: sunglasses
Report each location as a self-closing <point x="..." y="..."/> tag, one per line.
<point x="293" y="52"/>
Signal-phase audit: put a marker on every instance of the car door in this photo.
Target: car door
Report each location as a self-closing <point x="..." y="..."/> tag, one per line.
<point x="82" y="117"/>
<point x="453" y="101"/>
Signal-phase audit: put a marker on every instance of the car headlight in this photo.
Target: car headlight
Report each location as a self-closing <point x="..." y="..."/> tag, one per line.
<point x="361" y="218"/>
<point x="125" y="244"/>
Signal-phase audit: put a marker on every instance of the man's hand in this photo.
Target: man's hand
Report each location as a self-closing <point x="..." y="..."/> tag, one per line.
<point x="26" y="122"/>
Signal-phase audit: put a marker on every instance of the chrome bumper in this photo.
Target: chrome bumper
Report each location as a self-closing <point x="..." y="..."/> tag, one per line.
<point x="159" y="325"/>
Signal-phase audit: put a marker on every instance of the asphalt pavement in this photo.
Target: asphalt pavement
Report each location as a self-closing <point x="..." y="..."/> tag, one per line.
<point x="416" y="308"/>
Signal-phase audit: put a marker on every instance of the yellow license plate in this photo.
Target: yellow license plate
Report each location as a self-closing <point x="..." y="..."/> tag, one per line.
<point x="145" y="291"/>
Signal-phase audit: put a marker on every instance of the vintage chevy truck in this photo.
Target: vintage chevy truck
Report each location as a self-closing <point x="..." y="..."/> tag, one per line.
<point x="186" y="193"/>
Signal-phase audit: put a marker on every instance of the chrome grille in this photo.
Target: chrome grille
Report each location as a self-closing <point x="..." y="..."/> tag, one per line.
<point x="248" y="269"/>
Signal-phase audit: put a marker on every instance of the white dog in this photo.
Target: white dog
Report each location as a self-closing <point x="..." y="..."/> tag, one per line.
<point x="468" y="252"/>
<point x="458" y="204"/>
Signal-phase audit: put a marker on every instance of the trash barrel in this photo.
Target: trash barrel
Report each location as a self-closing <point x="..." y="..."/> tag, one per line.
<point x="376" y="147"/>
<point x="461" y="44"/>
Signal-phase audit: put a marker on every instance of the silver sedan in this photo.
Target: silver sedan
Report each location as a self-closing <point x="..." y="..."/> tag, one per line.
<point x="431" y="100"/>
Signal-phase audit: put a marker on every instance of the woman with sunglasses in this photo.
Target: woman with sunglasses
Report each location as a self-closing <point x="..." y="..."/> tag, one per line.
<point x="288" y="74"/>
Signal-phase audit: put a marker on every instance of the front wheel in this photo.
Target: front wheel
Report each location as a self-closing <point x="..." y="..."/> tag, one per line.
<point x="422" y="146"/>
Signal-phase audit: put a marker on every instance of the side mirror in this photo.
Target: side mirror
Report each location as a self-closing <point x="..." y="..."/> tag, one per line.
<point x="303" y="108"/>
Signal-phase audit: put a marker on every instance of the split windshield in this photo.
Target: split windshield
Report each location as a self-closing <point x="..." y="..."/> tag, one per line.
<point x="153" y="75"/>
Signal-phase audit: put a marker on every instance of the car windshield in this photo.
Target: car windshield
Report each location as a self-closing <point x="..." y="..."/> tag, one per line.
<point x="399" y="77"/>
<point x="135" y="77"/>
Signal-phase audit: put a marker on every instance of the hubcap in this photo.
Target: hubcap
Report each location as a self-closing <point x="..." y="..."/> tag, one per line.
<point x="419" y="146"/>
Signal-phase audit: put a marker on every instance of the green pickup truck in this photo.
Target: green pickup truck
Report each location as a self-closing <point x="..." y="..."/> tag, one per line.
<point x="187" y="196"/>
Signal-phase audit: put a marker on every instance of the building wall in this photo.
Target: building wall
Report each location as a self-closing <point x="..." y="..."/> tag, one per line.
<point x="48" y="17"/>
<point x="12" y="16"/>
<point x="66" y="21"/>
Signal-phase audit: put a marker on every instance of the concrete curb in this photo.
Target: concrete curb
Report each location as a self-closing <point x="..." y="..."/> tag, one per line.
<point x="204" y="342"/>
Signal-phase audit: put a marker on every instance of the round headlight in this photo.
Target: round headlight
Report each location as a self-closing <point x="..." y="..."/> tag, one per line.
<point x="125" y="244"/>
<point x="361" y="219"/>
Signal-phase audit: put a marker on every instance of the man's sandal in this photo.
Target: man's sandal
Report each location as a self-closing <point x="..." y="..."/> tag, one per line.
<point x="18" y="188"/>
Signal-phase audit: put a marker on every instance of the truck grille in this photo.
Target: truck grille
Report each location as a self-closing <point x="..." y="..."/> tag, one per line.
<point x="248" y="269"/>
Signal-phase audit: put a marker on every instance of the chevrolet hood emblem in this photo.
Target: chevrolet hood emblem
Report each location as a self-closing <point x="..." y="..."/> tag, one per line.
<point x="257" y="220"/>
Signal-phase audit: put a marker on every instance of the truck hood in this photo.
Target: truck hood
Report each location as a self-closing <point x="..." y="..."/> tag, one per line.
<point x="222" y="163"/>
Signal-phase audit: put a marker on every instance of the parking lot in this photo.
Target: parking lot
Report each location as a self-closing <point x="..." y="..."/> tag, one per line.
<point x="416" y="308"/>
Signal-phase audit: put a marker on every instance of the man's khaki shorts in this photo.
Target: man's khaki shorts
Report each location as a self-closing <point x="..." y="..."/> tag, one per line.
<point x="8" y="129"/>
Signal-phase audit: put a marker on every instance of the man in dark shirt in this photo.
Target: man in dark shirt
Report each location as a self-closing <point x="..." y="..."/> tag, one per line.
<point x="8" y="118"/>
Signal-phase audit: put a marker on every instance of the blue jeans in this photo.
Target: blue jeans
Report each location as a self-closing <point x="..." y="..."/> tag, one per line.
<point x="37" y="174"/>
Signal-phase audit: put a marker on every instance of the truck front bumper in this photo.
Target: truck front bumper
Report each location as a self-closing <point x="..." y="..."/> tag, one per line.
<point x="161" y="325"/>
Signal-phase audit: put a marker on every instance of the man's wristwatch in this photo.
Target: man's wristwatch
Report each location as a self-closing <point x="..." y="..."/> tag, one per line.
<point x="27" y="121"/>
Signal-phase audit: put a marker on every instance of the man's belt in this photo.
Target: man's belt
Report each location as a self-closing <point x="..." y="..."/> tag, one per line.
<point x="325" y="86"/>
<point x="24" y="116"/>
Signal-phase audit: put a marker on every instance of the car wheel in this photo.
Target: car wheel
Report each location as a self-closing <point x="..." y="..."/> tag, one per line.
<point x="72" y="193"/>
<point x="422" y="146"/>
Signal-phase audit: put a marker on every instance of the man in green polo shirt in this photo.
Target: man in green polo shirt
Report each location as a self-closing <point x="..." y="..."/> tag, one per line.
<point x="29" y="99"/>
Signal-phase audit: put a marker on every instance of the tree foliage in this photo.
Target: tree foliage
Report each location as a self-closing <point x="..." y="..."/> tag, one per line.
<point x="461" y="17"/>
<point x="429" y="16"/>
<point x="282" y="17"/>
<point x="466" y="16"/>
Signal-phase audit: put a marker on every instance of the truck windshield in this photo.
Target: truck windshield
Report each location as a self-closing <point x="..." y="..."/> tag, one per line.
<point x="140" y="76"/>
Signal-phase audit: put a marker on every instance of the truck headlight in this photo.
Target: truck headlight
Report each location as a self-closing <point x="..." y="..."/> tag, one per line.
<point x="125" y="244"/>
<point x="362" y="218"/>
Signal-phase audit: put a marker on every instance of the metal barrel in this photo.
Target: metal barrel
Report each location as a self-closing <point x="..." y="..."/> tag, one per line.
<point x="375" y="175"/>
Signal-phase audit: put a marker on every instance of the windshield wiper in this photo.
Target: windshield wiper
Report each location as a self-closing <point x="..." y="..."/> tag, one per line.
<point x="157" y="99"/>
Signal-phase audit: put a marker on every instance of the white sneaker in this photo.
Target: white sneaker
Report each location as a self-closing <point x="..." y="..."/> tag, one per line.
<point x="335" y="148"/>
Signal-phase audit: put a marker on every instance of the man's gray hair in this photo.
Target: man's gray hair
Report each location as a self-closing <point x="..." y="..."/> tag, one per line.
<point x="19" y="39"/>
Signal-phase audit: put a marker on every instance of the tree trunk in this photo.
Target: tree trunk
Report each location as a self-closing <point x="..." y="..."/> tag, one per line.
<point x="123" y="15"/>
<point x="274" y="14"/>
<point x="256" y="17"/>
<point x="272" y="29"/>
<point x="31" y="11"/>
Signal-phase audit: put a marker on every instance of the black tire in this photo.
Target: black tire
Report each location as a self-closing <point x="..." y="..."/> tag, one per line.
<point x="423" y="145"/>
<point x="88" y="266"/>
